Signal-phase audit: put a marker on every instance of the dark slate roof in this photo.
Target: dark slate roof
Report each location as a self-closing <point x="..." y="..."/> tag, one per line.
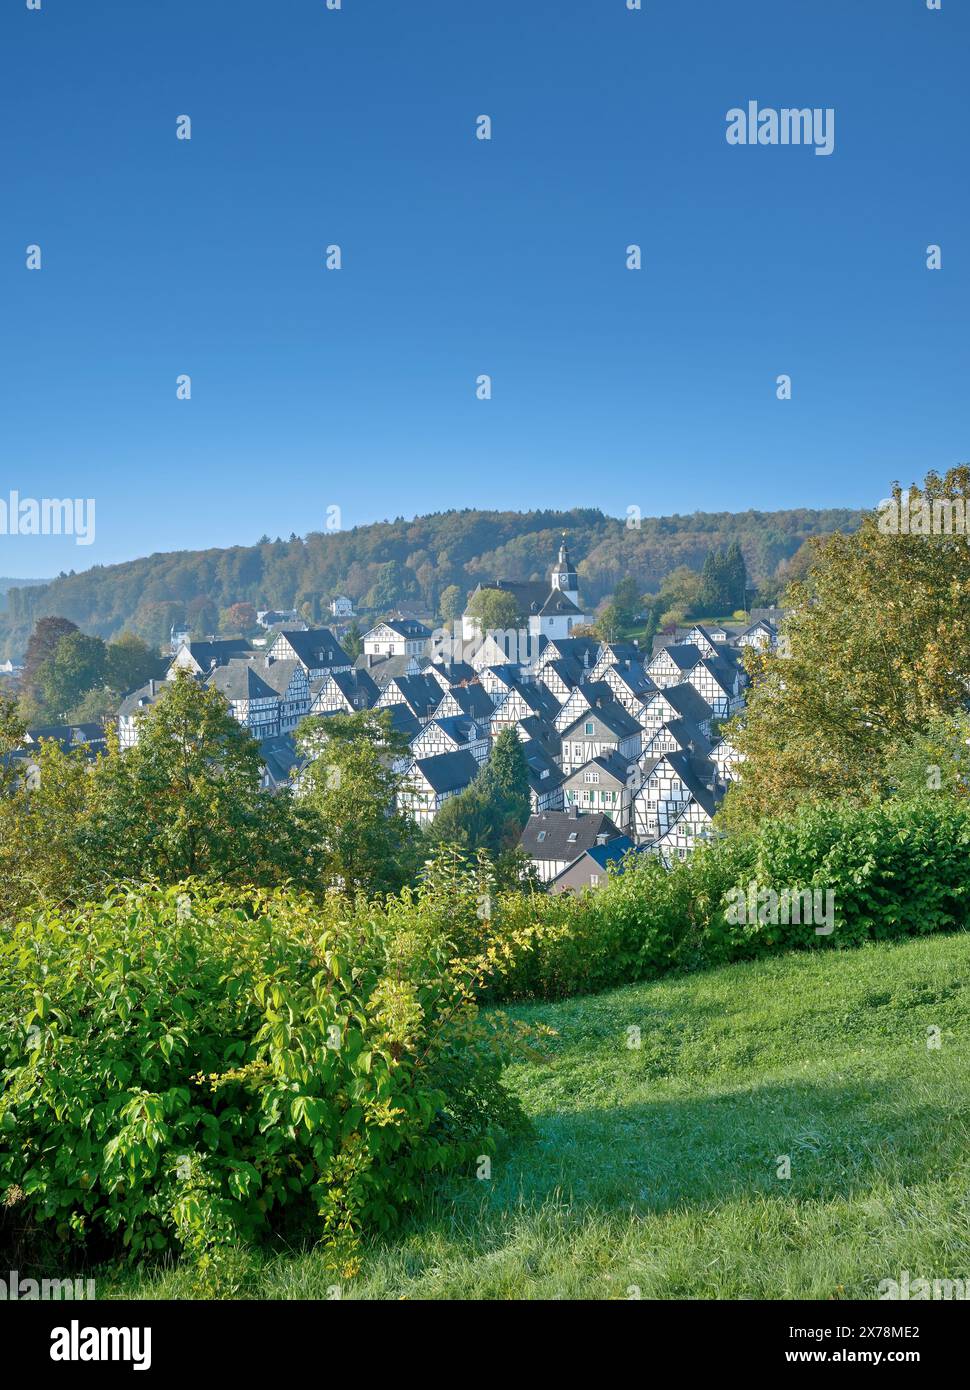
<point x="619" y="651"/>
<point x="684" y="655"/>
<point x="531" y="594"/>
<point x="316" y="648"/>
<point x="686" y="735"/>
<point x="556" y="827"/>
<point x="280" y="759"/>
<point x="540" y="700"/>
<point x="239" y="680"/>
<point x="409" y="628"/>
<point x="721" y="673"/>
<point x="696" y="775"/>
<point x="542" y="733"/>
<point x="402" y="720"/>
<point x="354" y="685"/>
<point x="611" y="854"/>
<point x="448" y="772"/>
<point x="277" y="674"/>
<point x="567" y="668"/>
<point x="421" y="693"/>
<point x="612" y="765"/>
<point x="473" y="701"/>
<point x="67" y="735"/>
<point x="459" y="727"/>
<point x="577" y="648"/>
<point x="634" y="678"/>
<point x="611" y="715"/>
<point x="143" y="698"/>
<point x="509" y="673"/>
<point x="454" y="672"/>
<point x="559" y="605"/>
<point x="217" y="652"/>
<point x="545" y="774"/>
<point x="382" y="669"/>
<point x="686" y="701"/>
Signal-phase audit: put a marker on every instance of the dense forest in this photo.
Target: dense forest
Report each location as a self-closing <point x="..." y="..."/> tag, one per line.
<point x="405" y="562"/>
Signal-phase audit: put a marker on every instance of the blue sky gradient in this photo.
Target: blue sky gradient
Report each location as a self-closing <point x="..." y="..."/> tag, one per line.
<point x="357" y="388"/>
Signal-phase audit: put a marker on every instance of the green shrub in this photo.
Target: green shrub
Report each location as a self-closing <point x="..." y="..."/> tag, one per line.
<point x="894" y="868"/>
<point x="182" y="1069"/>
<point x="643" y="923"/>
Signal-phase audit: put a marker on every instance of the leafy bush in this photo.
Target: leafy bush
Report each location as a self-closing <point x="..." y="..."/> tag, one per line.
<point x="183" y="1069"/>
<point x="643" y="923"/>
<point x="894" y="868"/>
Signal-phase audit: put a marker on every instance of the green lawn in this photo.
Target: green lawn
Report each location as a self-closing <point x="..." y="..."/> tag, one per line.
<point x="654" y="1169"/>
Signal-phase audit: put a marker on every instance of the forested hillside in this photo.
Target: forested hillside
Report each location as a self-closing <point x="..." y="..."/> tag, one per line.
<point x="402" y="561"/>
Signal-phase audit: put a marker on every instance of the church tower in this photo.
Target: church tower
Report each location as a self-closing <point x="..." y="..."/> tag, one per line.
<point x="563" y="576"/>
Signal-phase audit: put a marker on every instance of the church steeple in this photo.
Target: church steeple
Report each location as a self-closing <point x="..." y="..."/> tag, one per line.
<point x="563" y="576"/>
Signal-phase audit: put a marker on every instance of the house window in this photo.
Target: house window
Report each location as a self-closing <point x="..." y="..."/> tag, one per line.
<point x="591" y="777"/>
<point x="594" y="880"/>
<point x="589" y="727"/>
<point x="572" y="837"/>
<point x="541" y="836"/>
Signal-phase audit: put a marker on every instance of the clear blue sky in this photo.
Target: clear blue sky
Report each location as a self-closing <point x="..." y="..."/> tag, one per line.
<point x="356" y="388"/>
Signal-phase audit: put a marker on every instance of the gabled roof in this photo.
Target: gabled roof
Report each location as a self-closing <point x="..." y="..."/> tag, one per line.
<point x="472" y="700"/>
<point x="611" y="715"/>
<point x="508" y="674"/>
<point x="564" y="834"/>
<point x="67" y="734"/>
<point x="567" y="668"/>
<point x="448" y="772"/>
<point x="692" y="772"/>
<point x="720" y="672"/>
<point x="354" y="685"/>
<point x="453" y="672"/>
<point x="538" y="730"/>
<point x="239" y="680"/>
<point x="545" y="774"/>
<point x="216" y="651"/>
<point x="612" y="854"/>
<point x="531" y="594"/>
<point x="576" y="647"/>
<point x="317" y="648"/>
<point x="559" y="605"/>
<point x="685" y="700"/>
<point x="422" y="693"/>
<point x="688" y="736"/>
<point x="536" y="698"/>
<point x="278" y="674"/>
<point x="619" y="651"/>
<point x="684" y="655"/>
<point x="142" y="698"/>
<point x="610" y="766"/>
<point x="403" y="720"/>
<point x="382" y="669"/>
<point x="281" y="759"/>
<point x="409" y="628"/>
<point x="458" y="727"/>
<point x="633" y="677"/>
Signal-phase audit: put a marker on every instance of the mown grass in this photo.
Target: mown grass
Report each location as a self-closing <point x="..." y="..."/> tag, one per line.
<point x="654" y="1170"/>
